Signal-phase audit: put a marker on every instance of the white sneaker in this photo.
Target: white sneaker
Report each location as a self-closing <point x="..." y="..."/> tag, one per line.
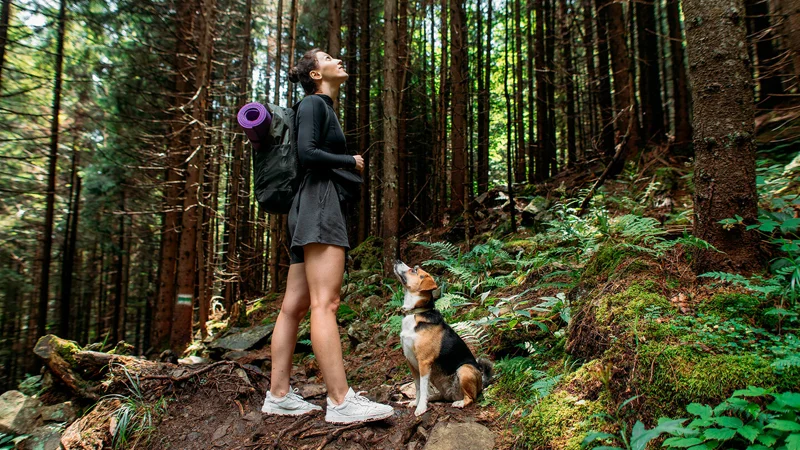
<point x="356" y="408"/>
<point x="291" y="404"/>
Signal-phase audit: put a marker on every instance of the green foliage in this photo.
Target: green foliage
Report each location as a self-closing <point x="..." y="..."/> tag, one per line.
<point x="738" y="422"/>
<point x="136" y="417"/>
<point x="635" y="438"/>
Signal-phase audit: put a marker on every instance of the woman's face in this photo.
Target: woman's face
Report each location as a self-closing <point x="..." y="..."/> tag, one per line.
<point x="329" y="69"/>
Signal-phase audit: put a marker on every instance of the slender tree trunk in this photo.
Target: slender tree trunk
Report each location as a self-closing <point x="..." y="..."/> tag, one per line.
<point x="724" y="176"/>
<point x="566" y="36"/>
<point x="624" y="98"/>
<point x="459" y="76"/>
<point x="118" y="307"/>
<point x="444" y="91"/>
<point x="532" y="93"/>
<point x="550" y="48"/>
<point x="606" y="142"/>
<point x="187" y="252"/>
<point x="68" y="259"/>
<point x="770" y="88"/>
<point x="591" y="73"/>
<point x="334" y="27"/>
<point x="246" y="246"/>
<point x="484" y="117"/>
<point x="364" y="86"/>
<point x="278" y="49"/>
<point x="519" y="90"/>
<point x="509" y="161"/>
<point x="649" y="75"/>
<point x="787" y="14"/>
<point x="5" y="16"/>
<point x="680" y="85"/>
<point x="542" y="132"/>
<point x="390" y="160"/>
<point x="351" y="63"/>
<point x="292" y="44"/>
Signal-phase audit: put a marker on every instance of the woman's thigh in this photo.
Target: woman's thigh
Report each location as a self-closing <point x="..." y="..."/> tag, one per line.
<point x="296" y="300"/>
<point x="324" y="272"/>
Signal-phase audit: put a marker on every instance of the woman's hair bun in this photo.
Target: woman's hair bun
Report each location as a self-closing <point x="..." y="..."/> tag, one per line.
<point x="294" y="75"/>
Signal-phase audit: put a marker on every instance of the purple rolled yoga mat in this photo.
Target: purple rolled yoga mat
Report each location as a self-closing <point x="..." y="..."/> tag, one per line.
<point x="255" y="120"/>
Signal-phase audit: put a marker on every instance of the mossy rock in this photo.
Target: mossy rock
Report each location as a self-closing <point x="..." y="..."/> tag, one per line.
<point x="604" y="262"/>
<point x="561" y="420"/>
<point x="630" y="305"/>
<point x="672" y="376"/>
<point x="368" y="255"/>
<point x="732" y="305"/>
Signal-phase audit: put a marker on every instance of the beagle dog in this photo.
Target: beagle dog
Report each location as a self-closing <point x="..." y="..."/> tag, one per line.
<point x="435" y="353"/>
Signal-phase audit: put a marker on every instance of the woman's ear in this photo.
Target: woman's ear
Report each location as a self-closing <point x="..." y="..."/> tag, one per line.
<point x="315" y="75"/>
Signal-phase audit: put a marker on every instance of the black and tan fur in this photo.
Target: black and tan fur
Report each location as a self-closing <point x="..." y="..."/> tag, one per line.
<point x="435" y="353"/>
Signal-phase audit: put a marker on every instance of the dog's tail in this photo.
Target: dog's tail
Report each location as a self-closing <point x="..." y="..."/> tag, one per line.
<point x="487" y="370"/>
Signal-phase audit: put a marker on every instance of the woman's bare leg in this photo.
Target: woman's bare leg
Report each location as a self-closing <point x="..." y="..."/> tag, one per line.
<point x="324" y="274"/>
<point x="294" y="307"/>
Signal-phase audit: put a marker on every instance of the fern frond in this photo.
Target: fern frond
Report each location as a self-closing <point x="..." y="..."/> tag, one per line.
<point x="444" y="250"/>
<point x="473" y="334"/>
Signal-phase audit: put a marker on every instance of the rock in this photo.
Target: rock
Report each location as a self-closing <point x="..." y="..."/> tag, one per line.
<point x="409" y="390"/>
<point x="373" y="303"/>
<point x="358" y="332"/>
<point x="222" y="430"/>
<point x="310" y="390"/>
<point x="349" y="289"/>
<point x="193" y="436"/>
<point x="374" y="279"/>
<point x="536" y="212"/>
<point x="18" y="412"/>
<point x="46" y="437"/>
<point x="457" y="436"/>
<point x="93" y="430"/>
<point x="252" y="416"/>
<point x="168" y="357"/>
<point x="255" y="357"/>
<point x="382" y="393"/>
<point x="62" y="412"/>
<point x="240" y="339"/>
<point x="193" y="360"/>
<point x="243" y="375"/>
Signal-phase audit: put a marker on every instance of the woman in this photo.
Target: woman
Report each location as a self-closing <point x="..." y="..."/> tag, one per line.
<point x="318" y="235"/>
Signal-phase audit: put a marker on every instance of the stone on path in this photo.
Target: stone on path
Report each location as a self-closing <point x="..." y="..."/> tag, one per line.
<point x="18" y="412"/>
<point x="62" y="412"/>
<point x="241" y="339"/>
<point x="460" y="436"/>
<point x="47" y="437"/>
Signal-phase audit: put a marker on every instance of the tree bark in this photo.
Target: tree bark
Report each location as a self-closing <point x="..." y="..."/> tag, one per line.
<point x="787" y="14"/>
<point x="47" y="241"/>
<point x="364" y="80"/>
<point x="390" y="217"/>
<point x="509" y="161"/>
<point x="334" y="27"/>
<point x="724" y="175"/>
<point x="278" y="51"/>
<point x="519" y="90"/>
<point x="187" y="251"/>
<point x="292" y="44"/>
<point x="542" y="157"/>
<point x="606" y="141"/>
<point x="627" y="121"/>
<point x="566" y="37"/>
<point x="680" y="85"/>
<point x="591" y="73"/>
<point x="649" y="74"/>
<point x="459" y="77"/>
<point x="5" y="16"/>
<point x="483" y="143"/>
<point x="65" y="328"/>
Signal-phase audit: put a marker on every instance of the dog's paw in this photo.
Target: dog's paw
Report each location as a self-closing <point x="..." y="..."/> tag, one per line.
<point x="420" y="410"/>
<point x="458" y="404"/>
<point x="412" y="403"/>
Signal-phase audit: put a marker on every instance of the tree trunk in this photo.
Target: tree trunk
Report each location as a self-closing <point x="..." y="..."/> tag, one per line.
<point x="787" y="13"/>
<point x="649" y="75"/>
<point x="606" y="142"/>
<point x="483" y="143"/>
<point x="118" y="308"/>
<point x="278" y="48"/>
<point x="680" y="85"/>
<point x="591" y="74"/>
<point x="542" y="157"/>
<point x="481" y="177"/>
<point x="391" y="81"/>
<point x="334" y="27"/>
<point x="47" y="241"/>
<point x="65" y="328"/>
<point x="566" y="36"/>
<point x="5" y="16"/>
<point x="509" y="161"/>
<point x="724" y="175"/>
<point x="364" y="68"/>
<point x="519" y="90"/>
<point x="624" y="108"/>
<point x="460" y="80"/>
<point x="187" y="252"/>
<point x="770" y="88"/>
<point x="292" y="44"/>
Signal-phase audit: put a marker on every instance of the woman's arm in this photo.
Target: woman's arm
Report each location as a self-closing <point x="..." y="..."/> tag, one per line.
<point x="311" y="117"/>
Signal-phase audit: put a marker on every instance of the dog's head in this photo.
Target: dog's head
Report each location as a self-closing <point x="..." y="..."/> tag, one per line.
<point x="417" y="284"/>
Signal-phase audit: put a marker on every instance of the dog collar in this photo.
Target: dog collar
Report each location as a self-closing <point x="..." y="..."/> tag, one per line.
<point x="419" y="310"/>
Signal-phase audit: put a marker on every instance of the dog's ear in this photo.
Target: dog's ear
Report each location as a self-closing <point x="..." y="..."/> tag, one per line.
<point x="426" y="282"/>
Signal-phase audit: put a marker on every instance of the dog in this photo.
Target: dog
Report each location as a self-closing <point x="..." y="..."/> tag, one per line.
<point x="436" y="354"/>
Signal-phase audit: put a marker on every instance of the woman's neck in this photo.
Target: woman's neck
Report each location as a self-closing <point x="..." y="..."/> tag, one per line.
<point x="331" y="91"/>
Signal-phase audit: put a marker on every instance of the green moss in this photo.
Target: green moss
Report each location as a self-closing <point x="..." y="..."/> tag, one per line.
<point x="630" y="305"/>
<point x="561" y="420"/>
<point x="672" y="376"/>
<point x="731" y="305"/>
<point x="604" y="262"/>
<point x="67" y="350"/>
<point x="368" y="254"/>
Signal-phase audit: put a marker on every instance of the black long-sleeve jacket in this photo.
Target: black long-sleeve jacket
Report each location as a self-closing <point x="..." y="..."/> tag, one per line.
<point x="314" y="113"/>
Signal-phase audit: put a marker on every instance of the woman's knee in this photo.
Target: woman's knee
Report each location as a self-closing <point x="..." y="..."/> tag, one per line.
<point x="328" y="303"/>
<point x="295" y="310"/>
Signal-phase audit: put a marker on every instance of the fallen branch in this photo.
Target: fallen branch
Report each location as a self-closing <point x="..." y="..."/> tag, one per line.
<point x="335" y="434"/>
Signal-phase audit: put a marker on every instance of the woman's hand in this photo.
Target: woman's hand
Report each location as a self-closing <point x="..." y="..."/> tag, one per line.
<point x="359" y="162"/>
